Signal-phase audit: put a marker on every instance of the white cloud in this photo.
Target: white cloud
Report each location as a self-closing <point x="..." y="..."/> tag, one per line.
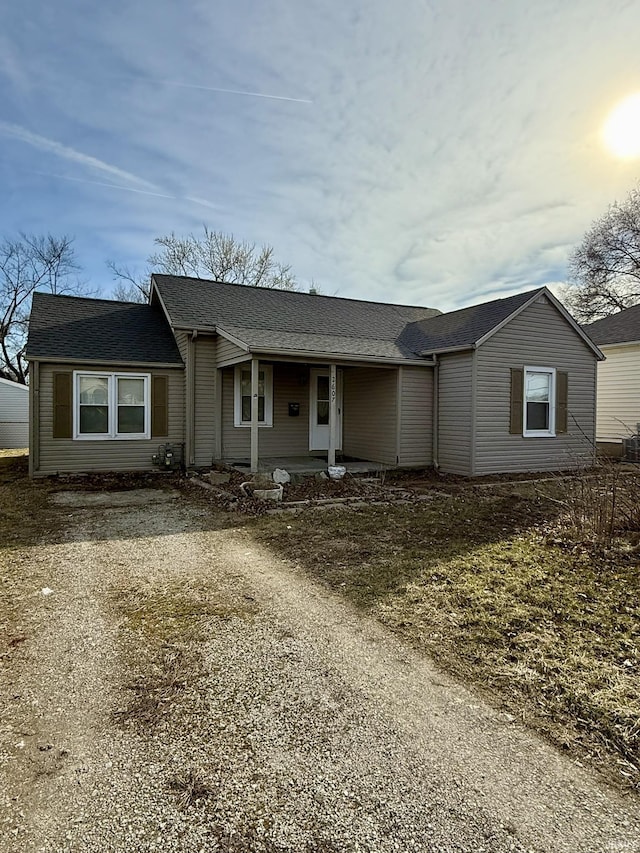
<point x="430" y="153"/>
<point x="64" y="152"/>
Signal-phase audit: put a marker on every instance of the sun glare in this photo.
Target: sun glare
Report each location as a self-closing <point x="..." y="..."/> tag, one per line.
<point x="621" y="131"/>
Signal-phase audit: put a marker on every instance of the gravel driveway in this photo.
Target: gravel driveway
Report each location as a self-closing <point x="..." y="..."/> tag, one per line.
<point x="289" y="723"/>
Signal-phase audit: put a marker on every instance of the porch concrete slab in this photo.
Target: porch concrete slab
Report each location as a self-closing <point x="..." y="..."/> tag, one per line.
<point x="309" y="465"/>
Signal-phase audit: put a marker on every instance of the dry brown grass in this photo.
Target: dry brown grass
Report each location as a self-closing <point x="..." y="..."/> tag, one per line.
<point x="547" y="629"/>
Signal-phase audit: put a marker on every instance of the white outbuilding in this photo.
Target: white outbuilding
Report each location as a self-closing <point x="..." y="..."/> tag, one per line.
<point x="14" y="414"/>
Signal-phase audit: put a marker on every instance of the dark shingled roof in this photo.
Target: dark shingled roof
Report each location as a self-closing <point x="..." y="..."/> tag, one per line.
<point x="277" y="319"/>
<point x="620" y="328"/>
<point x="280" y="319"/>
<point x="70" y="327"/>
<point x="464" y="327"/>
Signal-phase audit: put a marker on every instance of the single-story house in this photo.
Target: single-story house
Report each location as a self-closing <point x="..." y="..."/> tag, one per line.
<point x="14" y="414"/>
<point x="246" y="375"/>
<point x="618" y="404"/>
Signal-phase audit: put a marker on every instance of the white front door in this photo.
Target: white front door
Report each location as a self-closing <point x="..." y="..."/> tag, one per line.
<point x="319" y="402"/>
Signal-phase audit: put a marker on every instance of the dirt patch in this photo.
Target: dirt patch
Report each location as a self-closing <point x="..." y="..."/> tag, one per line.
<point x="130" y="497"/>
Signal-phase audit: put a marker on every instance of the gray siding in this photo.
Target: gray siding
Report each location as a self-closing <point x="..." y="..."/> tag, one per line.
<point x="618" y="392"/>
<point x="289" y="436"/>
<point x="182" y="339"/>
<point x="370" y="414"/>
<point x="14" y="415"/>
<point x="66" y="455"/>
<point x="226" y="350"/>
<point x="541" y="337"/>
<point x="454" y="413"/>
<point x="204" y="392"/>
<point x="416" y="417"/>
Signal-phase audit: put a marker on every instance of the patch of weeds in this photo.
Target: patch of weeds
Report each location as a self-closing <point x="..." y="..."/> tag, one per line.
<point x="550" y="632"/>
<point x="154" y="690"/>
<point x="191" y="787"/>
<point x="163" y="630"/>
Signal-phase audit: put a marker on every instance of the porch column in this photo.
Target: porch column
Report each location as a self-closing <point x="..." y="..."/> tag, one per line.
<point x="333" y="414"/>
<point x="255" y="376"/>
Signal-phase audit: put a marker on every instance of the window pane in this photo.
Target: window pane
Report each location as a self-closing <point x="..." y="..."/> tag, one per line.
<point x="94" y="389"/>
<point x="131" y="391"/>
<point x="246" y="408"/>
<point x="323" y="388"/>
<point x="538" y="416"/>
<point x="323" y="412"/>
<point x="538" y="385"/>
<point x="94" y="419"/>
<point x="245" y="383"/>
<point x="131" y="419"/>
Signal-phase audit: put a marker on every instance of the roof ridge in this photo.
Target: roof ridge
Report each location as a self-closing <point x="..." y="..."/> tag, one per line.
<point x="296" y="292"/>
<point x="91" y="299"/>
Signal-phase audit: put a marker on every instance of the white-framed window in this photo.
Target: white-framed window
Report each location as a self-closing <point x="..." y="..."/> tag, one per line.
<point x="539" y="415"/>
<point x="242" y="395"/>
<point x="111" y="405"/>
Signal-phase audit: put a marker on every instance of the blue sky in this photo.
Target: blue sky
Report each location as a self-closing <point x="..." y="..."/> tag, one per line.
<point x="437" y="153"/>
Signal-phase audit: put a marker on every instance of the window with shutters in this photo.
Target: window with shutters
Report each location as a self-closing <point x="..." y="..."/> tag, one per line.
<point x="242" y="394"/>
<point x="539" y="401"/>
<point x="111" y="405"/>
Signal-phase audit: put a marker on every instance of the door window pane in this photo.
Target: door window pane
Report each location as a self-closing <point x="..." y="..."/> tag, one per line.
<point x="322" y="390"/>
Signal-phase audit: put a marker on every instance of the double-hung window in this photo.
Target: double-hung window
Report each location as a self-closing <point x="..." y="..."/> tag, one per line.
<point x="111" y="405"/>
<point x="539" y="416"/>
<point x="242" y="395"/>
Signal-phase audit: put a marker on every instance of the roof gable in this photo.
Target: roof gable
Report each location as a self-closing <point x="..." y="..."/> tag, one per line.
<point x="99" y="330"/>
<point x="464" y="328"/>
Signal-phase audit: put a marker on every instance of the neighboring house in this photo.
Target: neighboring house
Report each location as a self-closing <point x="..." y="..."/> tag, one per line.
<point x="618" y="406"/>
<point x="14" y="415"/>
<point x="246" y="375"/>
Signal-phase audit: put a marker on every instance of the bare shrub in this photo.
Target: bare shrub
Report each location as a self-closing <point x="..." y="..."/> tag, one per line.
<point x="599" y="504"/>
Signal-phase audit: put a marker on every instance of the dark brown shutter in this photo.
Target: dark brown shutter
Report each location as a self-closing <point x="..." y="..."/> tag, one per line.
<point x="159" y="406"/>
<point x="562" y="394"/>
<point x="62" y="405"/>
<point x="517" y="392"/>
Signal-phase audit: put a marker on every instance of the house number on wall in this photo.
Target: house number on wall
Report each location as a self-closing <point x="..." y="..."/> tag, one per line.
<point x="333" y="389"/>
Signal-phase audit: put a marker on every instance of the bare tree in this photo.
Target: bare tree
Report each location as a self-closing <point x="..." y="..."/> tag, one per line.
<point x="604" y="270"/>
<point x="212" y="255"/>
<point x="29" y="263"/>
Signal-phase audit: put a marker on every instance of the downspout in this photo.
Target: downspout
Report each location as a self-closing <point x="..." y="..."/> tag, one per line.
<point x="34" y="419"/>
<point x="436" y="413"/>
<point x="191" y="398"/>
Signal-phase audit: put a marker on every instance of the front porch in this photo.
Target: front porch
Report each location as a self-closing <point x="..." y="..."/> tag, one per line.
<point x="273" y="412"/>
